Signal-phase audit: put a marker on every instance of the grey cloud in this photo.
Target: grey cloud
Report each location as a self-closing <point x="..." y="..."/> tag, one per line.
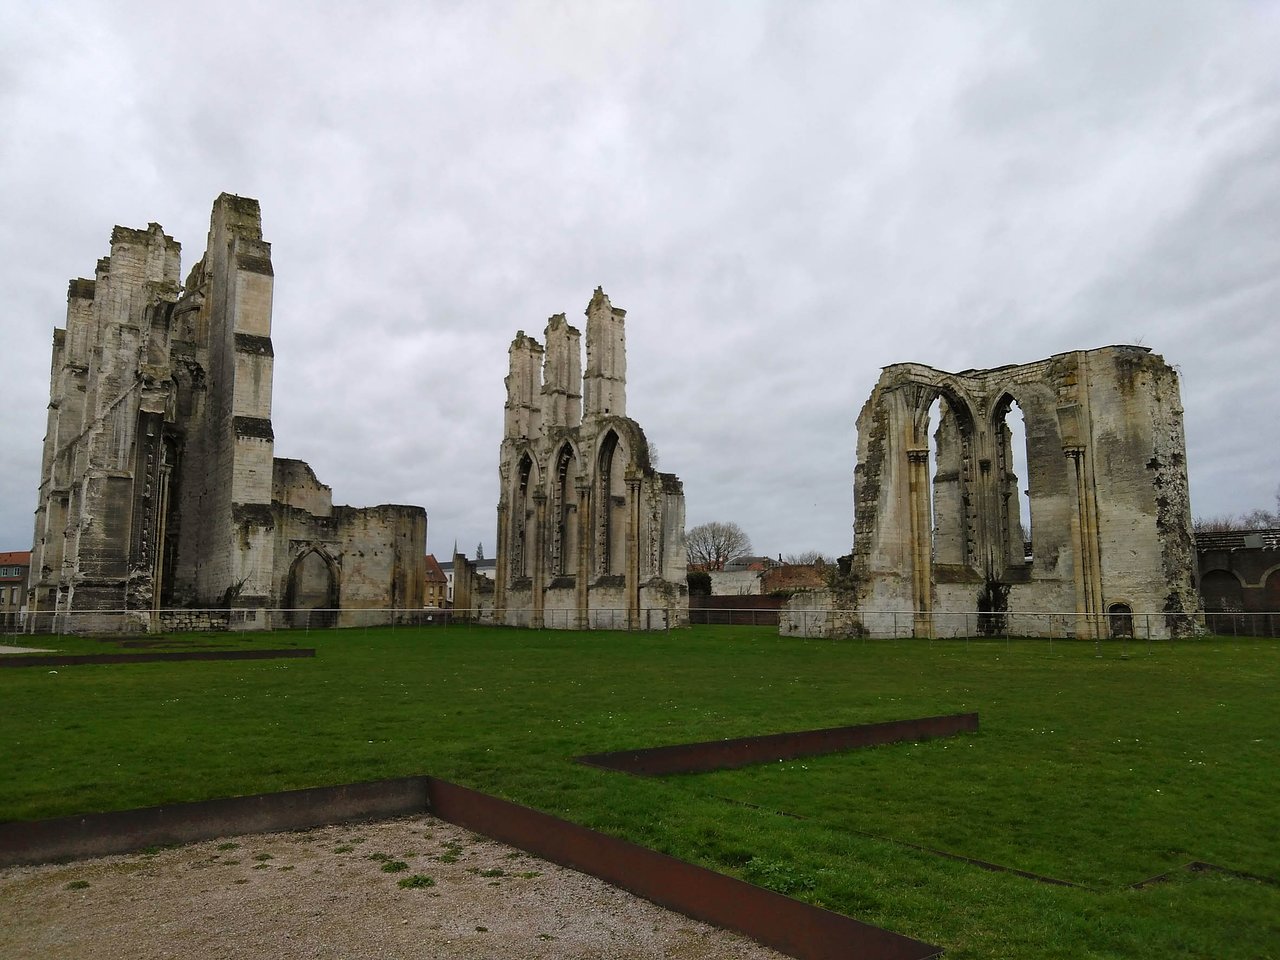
<point x="785" y="198"/>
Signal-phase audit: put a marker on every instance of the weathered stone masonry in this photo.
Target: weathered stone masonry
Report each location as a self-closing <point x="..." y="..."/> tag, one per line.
<point x="589" y="534"/>
<point x="1110" y="514"/>
<point x="158" y="484"/>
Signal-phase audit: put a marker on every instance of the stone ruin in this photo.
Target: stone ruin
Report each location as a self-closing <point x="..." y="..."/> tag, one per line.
<point x="941" y="552"/>
<point x="590" y="535"/>
<point x="159" y="487"/>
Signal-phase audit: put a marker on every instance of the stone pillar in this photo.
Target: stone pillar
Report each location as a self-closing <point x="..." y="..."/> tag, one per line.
<point x="604" y="385"/>
<point x="1084" y="536"/>
<point x="538" y="553"/>
<point x="562" y="375"/>
<point x="921" y="540"/>
<point x="503" y="555"/>
<point x="523" y="412"/>
<point x="632" y="558"/>
<point x="582" y="582"/>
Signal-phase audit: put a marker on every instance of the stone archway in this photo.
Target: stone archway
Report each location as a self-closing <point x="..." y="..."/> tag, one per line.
<point x="312" y="595"/>
<point x="1120" y="621"/>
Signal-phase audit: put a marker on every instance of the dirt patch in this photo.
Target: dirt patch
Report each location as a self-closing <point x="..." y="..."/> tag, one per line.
<point x="414" y="887"/>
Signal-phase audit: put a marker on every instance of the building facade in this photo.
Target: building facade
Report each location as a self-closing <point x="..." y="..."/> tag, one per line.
<point x="435" y="591"/>
<point x="159" y="487"/>
<point x="590" y="535"/>
<point x="14" y="567"/>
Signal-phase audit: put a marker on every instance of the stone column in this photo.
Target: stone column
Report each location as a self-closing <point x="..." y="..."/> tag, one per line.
<point x="1084" y="538"/>
<point x="632" y="556"/>
<point x="582" y="582"/>
<point x="921" y="540"/>
<point x="503" y="555"/>
<point x="538" y="575"/>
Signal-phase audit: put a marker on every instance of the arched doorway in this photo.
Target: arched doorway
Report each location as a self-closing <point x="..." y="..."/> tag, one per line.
<point x="312" y="597"/>
<point x="1120" y="621"/>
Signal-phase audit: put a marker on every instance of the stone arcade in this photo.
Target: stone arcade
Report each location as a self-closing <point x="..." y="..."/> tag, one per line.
<point x="589" y="534"/>
<point x="158" y="486"/>
<point x="1110" y="518"/>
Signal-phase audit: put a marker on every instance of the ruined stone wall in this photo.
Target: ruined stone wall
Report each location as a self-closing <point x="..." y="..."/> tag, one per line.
<point x="741" y="583"/>
<point x="589" y="533"/>
<point x="95" y="539"/>
<point x="158" y="483"/>
<point x="1110" y="516"/>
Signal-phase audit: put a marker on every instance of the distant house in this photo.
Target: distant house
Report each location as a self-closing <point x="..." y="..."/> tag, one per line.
<point x="794" y="577"/>
<point x="435" y="589"/>
<point x="739" y="564"/>
<point x="15" y="567"/>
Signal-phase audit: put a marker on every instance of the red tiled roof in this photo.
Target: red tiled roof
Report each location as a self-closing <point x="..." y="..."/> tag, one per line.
<point x="21" y="558"/>
<point x="434" y="573"/>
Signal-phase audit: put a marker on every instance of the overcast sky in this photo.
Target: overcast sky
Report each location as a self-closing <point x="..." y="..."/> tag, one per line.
<point x="785" y="197"/>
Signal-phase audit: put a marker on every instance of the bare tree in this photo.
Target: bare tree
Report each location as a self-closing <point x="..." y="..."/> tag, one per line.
<point x="1256" y="519"/>
<point x="711" y="545"/>
<point x="806" y="558"/>
<point x="1220" y="524"/>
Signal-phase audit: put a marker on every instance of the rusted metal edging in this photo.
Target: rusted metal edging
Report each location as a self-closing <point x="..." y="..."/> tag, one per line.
<point x="745" y="751"/>
<point x="77" y="659"/>
<point x="102" y="834"/>
<point x="799" y="929"/>
<point x="791" y="926"/>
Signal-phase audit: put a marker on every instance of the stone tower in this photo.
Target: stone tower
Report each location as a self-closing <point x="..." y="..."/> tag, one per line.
<point x="590" y="535"/>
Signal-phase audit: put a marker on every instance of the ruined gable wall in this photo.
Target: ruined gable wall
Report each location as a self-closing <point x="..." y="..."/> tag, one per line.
<point x="1110" y="519"/>
<point x="295" y="484"/>
<point x="95" y="481"/>
<point x="603" y="541"/>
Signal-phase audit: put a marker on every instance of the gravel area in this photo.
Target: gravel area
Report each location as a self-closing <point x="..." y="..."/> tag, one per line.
<point x="416" y="887"/>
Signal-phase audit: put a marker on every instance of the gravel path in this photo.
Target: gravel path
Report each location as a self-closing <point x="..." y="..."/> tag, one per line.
<point x="417" y="887"/>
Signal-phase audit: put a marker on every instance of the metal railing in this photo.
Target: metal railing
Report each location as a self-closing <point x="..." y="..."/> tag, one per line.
<point x="816" y="622"/>
<point x="1051" y="625"/>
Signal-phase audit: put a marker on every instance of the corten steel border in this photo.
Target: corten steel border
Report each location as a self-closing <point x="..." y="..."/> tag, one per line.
<point x="799" y="929"/>
<point x="746" y="751"/>
<point x="102" y="834"/>
<point x="1202" y="866"/>
<point x="791" y="926"/>
<point x="76" y="659"/>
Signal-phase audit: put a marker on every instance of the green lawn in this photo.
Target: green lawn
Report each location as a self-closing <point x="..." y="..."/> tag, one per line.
<point x="1100" y="770"/>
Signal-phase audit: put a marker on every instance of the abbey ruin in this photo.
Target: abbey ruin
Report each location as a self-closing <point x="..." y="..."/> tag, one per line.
<point x="946" y="554"/>
<point x="589" y="533"/>
<point x="159" y="487"/>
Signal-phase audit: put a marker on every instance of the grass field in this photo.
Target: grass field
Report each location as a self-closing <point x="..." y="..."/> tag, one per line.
<point x="1099" y="765"/>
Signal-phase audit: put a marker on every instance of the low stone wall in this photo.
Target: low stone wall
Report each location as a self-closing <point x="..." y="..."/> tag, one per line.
<point x="820" y="613"/>
<point x="194" y="621"/>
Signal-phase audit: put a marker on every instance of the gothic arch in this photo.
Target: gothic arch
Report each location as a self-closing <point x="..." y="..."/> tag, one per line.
<point x="525" y="484"/>
<point x="313" y="591"/>
<point x="562" y="510"/>
<point x="1006" y="496"/>
<point x="610" y="497"/>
